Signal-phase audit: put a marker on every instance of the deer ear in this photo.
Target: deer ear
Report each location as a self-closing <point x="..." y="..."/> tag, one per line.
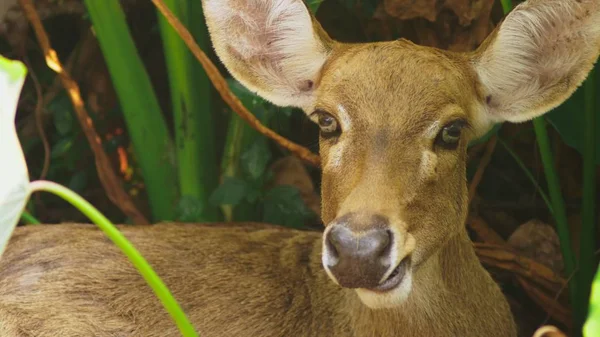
<point x="273" y="47"/>
<point x="537" y="57"/>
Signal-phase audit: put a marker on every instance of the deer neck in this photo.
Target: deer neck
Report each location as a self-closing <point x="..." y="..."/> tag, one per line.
<point x="448" y="288"/>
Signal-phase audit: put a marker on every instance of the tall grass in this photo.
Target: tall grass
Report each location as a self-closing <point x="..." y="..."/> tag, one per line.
<point x="191" y="104"/>
<point x="145" y="123"/>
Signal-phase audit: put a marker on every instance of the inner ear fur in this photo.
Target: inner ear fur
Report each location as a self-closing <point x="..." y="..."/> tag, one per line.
<point x="275" y="48"/>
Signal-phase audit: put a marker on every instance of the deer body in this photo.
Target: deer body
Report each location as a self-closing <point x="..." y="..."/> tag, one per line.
<point x="394" y="258"/>
<point x="220" y="276"/>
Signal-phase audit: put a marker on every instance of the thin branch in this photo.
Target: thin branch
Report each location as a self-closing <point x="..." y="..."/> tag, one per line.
<point x="108" y="177"/>
<point x="221" y="85"/>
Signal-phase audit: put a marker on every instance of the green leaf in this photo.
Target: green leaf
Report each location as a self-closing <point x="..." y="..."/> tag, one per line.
<point x="254" y="161"/>
<point x="569" y="120"/>
<point x="61" y="147"/>
<point x="230" y="192"/>
<point x="189" y="209"/>
<point x="284" y="206"/>
<point x="78" y="181"/>
<point x="63" y="121"/>
<point x="62" y="116"/>
<point x="313" y="5"/>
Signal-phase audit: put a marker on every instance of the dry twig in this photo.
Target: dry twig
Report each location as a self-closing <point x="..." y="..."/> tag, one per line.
<point x="107" y="175"/>
<point x="221" y="85"/>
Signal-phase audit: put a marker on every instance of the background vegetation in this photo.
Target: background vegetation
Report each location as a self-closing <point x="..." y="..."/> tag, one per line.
<point x="181" y="154"/>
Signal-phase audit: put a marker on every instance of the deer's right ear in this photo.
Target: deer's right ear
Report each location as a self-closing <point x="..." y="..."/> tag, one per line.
<point x="273" y="47"/>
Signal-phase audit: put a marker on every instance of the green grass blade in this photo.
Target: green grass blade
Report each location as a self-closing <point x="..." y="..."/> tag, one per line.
<point x="587" y="245"/>
<point x="139" y="262"/>
<point x="29" y="219"/>
<point x="191" y="103"/>
<point x="145" y="123"/>
<point x="528" y="174"/>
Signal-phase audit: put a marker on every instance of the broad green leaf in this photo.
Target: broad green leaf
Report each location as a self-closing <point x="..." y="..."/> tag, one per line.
<point x="255" y="159"/>
<point x="284" y="206"/>
<point x="61" y="147"/>
<point x="592" y="324"/>
<point x="14" y="177"/>
<point x="569" y="120"/>
<point x="189" y="209"/>
<point x="61" y="113"/>
<point x="230" y="192"/>
<point x="78" y="181"/>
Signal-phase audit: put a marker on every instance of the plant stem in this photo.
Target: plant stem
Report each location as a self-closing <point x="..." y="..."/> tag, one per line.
<point x="587" y="244"/>
<point x="29" y="219"/>
<point x="138" y="261"/>
<point x="191" y="102"/>
<point x="145" y="123"/>
<point x="558" y="204"/>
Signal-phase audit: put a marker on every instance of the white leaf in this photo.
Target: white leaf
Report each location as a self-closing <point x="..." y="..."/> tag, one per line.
<point x="14" y="178"/>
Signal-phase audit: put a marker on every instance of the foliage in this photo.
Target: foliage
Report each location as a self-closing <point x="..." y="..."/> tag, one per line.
<point x="191" y="106"/>
<point x="146" y="126"/>
<point x="246" y="172"/>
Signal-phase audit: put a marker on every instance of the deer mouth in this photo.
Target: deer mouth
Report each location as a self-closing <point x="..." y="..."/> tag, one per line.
<point x="395" y="278"/>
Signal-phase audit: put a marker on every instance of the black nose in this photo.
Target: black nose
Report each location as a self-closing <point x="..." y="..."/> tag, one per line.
<point x="358" y="259"/>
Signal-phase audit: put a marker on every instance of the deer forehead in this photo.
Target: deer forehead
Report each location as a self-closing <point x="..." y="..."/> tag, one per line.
<point x="397" y="85"/>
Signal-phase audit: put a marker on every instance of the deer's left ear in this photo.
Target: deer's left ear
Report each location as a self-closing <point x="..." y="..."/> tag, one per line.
<point x="537" y="57"/>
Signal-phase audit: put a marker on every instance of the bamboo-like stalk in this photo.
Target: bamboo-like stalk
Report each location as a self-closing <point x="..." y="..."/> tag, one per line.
<point x="587" y="244"/>
<point x="145" y="123"/>
<point x="191" y="103"/>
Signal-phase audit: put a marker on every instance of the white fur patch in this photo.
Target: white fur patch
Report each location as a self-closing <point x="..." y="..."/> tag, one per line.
<point x="275" y="40"/>
<point x="390" y="299"/>
<point x="540" y="45"/>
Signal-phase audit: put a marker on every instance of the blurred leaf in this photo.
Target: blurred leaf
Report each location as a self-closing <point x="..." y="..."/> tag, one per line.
<point x="61" y="147"/>
<point x="61" y="114"/>
<point x="78" y="181"/>
<point x="230" y="192"/>
<point x="313" y="5"/>
<point x="569" y="120"/>
<point x="284" y="206"/>
<point x="254" y="161"/>
<point x="189" y="209"/>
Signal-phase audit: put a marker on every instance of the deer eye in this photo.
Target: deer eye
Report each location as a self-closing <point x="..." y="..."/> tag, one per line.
<point x="328" y="124"/>
<point x="449" y="136"/>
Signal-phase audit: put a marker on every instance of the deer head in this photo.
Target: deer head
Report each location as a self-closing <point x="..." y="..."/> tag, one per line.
<point x="396" y="118"/>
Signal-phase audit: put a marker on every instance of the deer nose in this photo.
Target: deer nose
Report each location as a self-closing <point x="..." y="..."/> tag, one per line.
<point x="358" y="259"/>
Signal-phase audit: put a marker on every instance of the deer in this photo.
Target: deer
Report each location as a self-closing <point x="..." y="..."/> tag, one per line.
<point x="394" y="257"/>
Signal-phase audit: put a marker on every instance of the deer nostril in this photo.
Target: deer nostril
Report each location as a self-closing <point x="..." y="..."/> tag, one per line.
<point x="331" y="247"/>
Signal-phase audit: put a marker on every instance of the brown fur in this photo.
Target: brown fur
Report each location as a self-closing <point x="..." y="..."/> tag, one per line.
<point x="241" y="280"/>
<point x="392" y="99"/>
